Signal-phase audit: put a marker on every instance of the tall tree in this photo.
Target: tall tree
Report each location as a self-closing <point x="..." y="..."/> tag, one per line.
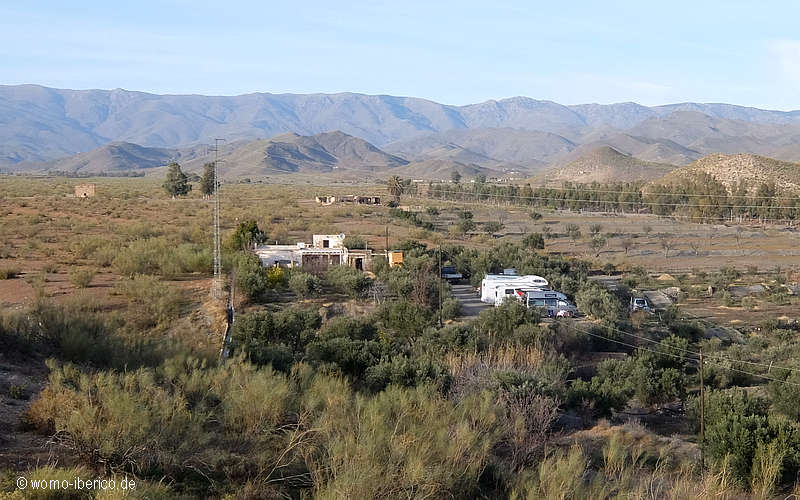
<point x="455" y="176"/>
<point x="396" y="187"/>
<point x="207" y="182"/>
<point x="177" y="183"/>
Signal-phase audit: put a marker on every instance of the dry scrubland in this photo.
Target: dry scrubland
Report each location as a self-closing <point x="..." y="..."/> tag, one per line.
<point x="344" y="386"/>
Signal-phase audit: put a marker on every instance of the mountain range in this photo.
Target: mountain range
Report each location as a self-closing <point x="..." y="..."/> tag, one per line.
<point x="40" y="124"/>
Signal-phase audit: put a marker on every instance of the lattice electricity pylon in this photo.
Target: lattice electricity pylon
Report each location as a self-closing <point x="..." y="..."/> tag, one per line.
<point x="217" y="283"/>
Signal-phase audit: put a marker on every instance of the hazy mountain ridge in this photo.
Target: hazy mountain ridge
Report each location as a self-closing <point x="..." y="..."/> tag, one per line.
<point x="530" y="149"/>
<point x="39" y="123"/>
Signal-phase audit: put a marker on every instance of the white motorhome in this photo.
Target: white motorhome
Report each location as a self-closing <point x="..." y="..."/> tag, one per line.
<point x="555" y="303"/>
<point x="496" y="288"/>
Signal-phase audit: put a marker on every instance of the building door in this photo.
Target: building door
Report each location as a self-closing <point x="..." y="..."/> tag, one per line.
<point x="360" y="264"/>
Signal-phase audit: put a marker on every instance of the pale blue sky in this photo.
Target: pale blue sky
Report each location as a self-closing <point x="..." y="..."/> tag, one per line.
<point x="741" y="52"/>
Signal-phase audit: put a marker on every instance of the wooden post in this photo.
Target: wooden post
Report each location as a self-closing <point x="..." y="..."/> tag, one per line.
<point x="702" y="415"/>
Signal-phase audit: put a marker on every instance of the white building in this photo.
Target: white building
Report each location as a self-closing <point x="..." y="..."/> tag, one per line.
<point x="280" y="255"/>
<point x="326" y="251"/>
<point x="328" y="241"/>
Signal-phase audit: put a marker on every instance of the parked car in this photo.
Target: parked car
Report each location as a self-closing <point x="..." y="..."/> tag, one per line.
<point x="450" y="274"/>
<point x="639" y="304"/>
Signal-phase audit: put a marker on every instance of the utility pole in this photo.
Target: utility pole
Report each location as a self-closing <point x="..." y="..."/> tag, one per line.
<point x="440" y="285"/>
<point x="387" y="243"/>
<point x="702" y="416"/>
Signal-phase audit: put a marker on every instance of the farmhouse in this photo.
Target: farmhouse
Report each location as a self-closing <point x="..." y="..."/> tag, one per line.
<point x="326" y="250"/>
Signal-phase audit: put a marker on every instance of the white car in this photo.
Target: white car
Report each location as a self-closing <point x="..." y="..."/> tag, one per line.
<point x="639" y="304"/>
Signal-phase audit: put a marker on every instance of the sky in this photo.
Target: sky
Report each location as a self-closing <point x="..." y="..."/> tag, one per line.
<point x="739" y="52"/>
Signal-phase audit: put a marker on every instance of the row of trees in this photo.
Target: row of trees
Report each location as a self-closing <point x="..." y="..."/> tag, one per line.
<point x="702" y="197"/>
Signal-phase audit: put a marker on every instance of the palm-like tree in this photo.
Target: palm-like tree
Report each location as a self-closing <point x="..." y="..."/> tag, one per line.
<point x="395" y="187"/>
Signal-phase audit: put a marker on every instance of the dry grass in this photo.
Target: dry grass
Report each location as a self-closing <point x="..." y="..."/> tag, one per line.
<point x="500" y="357"/>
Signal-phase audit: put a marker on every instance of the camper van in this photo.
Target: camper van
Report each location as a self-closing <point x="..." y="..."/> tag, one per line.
<point x="496" y="288"/>
<point x="555" y="303"/>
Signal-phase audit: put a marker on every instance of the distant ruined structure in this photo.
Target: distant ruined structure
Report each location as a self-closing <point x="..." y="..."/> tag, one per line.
<point x="348" y="198"/>
<point x="84" y="191"/>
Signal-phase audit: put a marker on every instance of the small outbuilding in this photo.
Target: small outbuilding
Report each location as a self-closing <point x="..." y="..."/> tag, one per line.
<point x="84" y="191"/>
<point x="395" y="258"/>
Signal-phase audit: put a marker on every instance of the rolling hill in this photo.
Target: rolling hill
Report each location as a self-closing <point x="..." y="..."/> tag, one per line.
<point x="643" y="148"/>
<point x="112" y="158"/>
<point x="286" y="153"/>
<point x="730" y="169"/>
<point x="294" y="153"/>
<point x="605" y="164"/>
<point x="442" y="169"/>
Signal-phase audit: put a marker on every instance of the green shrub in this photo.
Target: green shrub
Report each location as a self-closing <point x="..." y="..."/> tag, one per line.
<point x="349" y="327"/>
<point x="74" y="335"/>
<point x="348" y="281"/>
<point x="353" y="241"/>
<point x="351" y="357"/>
<point x="182" y="419"/>
<point x="785" y="396"/>
<point x="251" y="277"/>
<point x="404" y="442"/>
<point x="534" y="241"/>
<point x="159" y="256"/>
<point x="451" y="308"/>
<point x="86" y="246"/>
<point x="499" y="323"/>
<point x="16" y="391"/>
<point x="594" y="300"/>
<point x="404" y="318"/>
<point x="305" y="284"/>
<point x="406" y="372"/>
<point x="559" y="476"/>
<point x="737" y="426"/>
<point x="247" y="233"/>
<point x="81" y="278"/>
<point x="151" y="301"/>
<point x="275" y="338"/>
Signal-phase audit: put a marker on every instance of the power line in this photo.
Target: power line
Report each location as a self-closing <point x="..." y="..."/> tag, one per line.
<point x="650" y="193"/>
<point x="765" y="377"/>
<point x="697" y="353"/>
<point x="600" y="212"/>
<point x="632" y="346"/>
